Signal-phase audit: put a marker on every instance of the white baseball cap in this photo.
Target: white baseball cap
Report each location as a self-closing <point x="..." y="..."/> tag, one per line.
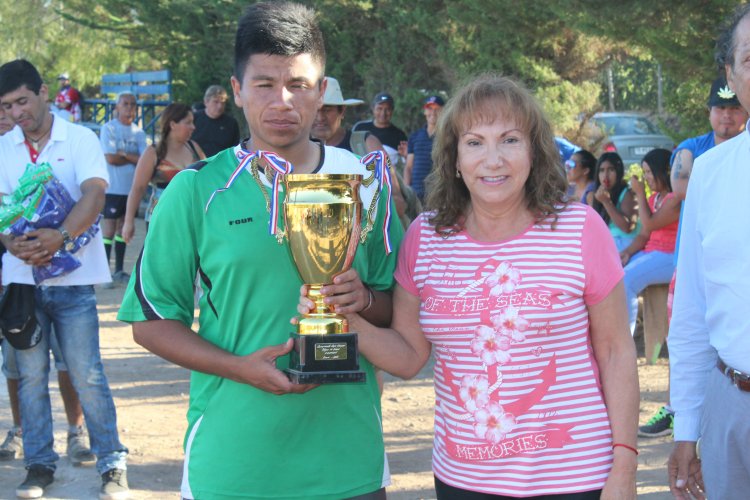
<point x="334" y="97"/>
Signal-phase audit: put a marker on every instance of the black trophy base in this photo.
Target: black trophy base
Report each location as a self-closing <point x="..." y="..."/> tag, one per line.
<point x="298" y="377"/>
<point x="324" y="359"/>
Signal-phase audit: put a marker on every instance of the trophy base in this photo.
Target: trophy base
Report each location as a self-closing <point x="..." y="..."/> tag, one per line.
<point x="298" y="377"/>
<point x="324" y="359"/>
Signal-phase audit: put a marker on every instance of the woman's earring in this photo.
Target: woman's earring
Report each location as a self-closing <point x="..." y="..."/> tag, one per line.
<point x="458" y="174"/>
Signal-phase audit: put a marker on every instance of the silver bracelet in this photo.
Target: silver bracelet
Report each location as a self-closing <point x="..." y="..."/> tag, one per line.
<point x="370" y="299"/>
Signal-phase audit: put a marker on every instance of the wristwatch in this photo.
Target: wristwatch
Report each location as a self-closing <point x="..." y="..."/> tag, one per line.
<point x="68" y="243"/>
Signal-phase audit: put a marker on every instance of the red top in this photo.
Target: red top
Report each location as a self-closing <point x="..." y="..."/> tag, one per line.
<point x="663" y="239"/>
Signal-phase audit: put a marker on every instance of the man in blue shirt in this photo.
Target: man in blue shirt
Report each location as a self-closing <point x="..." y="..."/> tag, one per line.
<point x="419" y="158"/>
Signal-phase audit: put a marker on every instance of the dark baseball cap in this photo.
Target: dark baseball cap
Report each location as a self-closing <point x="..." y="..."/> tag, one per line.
<point x="721" y="94"/>
<point x="434" y="100"/>
<point x="383" y="97"/>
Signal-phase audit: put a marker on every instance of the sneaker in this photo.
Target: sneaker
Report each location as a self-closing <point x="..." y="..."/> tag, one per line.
<point x="121" y="278"/>
<point x="12" y="447"/>
<point x="78" y="452"/>
<point x="37" y="478"/>
<point x="114" y="485"/>
<point x="660" y="424"/>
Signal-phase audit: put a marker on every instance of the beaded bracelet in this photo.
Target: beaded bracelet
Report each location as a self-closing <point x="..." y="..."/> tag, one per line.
<point x="634" y="450"/>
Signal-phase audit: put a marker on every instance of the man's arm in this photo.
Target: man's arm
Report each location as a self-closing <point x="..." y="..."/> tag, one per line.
<point x="108" y="141"/>
<point x="37" y="247"/>
<point x="121" y="158"/>
<point x="682" y="167"/>
<point x="175" y="342"/>
<point x="691" y="356"/>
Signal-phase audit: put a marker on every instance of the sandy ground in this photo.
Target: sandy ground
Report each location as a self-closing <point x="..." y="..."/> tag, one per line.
<point x="152" y="395"/>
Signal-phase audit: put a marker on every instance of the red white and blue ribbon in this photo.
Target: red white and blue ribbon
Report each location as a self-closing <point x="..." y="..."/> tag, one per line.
<point x="280" y="167"/>
<point x="383" y="176"/>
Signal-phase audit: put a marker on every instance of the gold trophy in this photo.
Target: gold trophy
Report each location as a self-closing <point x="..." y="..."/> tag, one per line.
<point x="322" y="214"/>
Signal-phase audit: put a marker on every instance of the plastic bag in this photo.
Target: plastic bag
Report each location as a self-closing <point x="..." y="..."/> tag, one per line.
<point x="41" y="201"/>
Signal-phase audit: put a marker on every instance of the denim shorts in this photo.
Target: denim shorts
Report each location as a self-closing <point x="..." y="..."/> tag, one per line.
<point x="10" y="368"/>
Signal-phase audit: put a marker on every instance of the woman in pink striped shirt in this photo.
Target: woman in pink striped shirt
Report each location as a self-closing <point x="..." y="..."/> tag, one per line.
<point x="521" y="298"/>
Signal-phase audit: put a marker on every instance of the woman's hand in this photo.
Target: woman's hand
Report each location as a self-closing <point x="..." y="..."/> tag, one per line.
<point x="346" y="295"/>
<point x="637" y="186"/>
<point x="624" y="257"/>
<point x="602" y="195"/>
<point x="621" y="483"/>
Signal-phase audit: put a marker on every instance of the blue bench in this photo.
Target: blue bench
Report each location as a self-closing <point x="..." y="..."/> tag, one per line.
<point x="153" y="92"/>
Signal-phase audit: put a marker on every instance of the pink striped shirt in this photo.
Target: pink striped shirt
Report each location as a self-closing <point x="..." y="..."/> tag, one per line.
<point x="519" y="408"/>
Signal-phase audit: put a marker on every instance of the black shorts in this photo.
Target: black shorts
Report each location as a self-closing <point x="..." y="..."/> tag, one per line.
<point x="114" y="206"/>
<point x="447" y="492"/>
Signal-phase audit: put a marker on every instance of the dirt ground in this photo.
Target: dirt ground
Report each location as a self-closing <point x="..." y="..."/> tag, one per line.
<point x="152" y="396"/>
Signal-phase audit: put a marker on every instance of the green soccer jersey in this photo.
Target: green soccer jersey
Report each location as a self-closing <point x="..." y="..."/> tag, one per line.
<point x="242" y="442"/>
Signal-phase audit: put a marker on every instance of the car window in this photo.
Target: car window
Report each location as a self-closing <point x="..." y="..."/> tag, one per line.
<point x="627" y="125"/>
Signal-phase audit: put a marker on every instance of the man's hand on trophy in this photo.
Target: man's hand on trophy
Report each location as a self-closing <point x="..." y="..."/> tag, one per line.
<point x="260" y="371"/>
<point x="305" y="305"/>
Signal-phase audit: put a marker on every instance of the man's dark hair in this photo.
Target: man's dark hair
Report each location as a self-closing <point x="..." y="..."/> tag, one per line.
<point x="726" y="43"/>
<point x="279" y="29"/>
<point x="15" y="74"/>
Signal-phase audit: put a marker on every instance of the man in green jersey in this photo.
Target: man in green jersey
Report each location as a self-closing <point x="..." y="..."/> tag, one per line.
<point x="251" y="433"/>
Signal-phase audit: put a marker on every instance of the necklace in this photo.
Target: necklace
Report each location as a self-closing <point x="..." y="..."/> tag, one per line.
<point x="35" y="142"/>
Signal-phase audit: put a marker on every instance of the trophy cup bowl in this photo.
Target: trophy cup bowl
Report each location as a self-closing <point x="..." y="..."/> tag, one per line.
<point x="322" y="214"/>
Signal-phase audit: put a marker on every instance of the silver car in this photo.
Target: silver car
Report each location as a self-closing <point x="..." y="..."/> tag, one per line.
<point x="631" y="135"/>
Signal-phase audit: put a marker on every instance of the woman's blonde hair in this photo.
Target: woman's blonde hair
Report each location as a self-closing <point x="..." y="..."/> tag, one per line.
<point x="482" y="100"/>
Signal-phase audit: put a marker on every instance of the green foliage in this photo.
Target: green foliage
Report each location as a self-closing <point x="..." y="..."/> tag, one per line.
<point x="410" y="48"/>
<point x="38" y="30"/>
<point x="188" y="37"/>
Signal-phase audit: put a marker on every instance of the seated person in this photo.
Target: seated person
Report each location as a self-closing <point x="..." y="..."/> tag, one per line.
<point x="648" y="260"/>
<point x="579" y="170"/>
<point x="614" y="201"/>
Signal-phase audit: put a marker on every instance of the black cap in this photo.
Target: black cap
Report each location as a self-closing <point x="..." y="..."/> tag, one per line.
<point x="383" y="97"/>
<point x="721" y="94"/>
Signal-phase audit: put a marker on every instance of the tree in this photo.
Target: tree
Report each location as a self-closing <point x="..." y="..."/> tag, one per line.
<point x="38" y="30"/>
<point x="188" y="37"/>
<point x="410" y="48"/>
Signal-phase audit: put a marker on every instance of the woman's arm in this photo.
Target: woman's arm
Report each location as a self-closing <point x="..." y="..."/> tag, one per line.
<point x="615" y="355"/>
<point x="402" y="349"/>
<point x="590" y="198"/>
<point x="638" y="244"/>
<point x="626" y="216"/>
<point x="348" y="295"/>
<point x="144" y="171"/>
<point x="666" y="214"/>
